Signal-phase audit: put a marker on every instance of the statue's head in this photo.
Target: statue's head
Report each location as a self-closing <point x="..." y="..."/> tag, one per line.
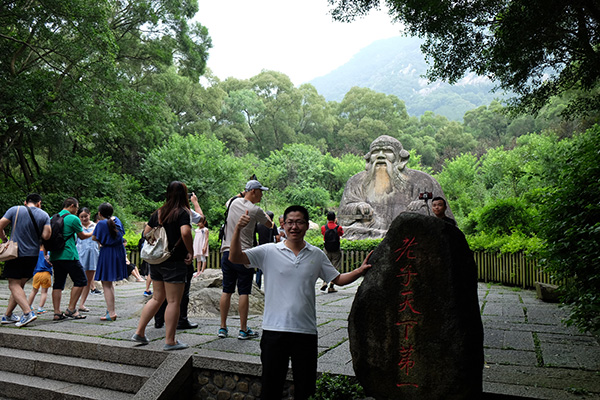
<point x="387" y="151"/>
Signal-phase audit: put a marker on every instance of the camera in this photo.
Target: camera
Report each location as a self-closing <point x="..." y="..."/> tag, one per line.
<point x="189" y="196"/>
<point x="425" y="196"/>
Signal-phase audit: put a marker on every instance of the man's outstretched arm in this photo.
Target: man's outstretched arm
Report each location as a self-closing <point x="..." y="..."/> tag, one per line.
<point x="236" y="255"/>
<point x="349" y="277"/>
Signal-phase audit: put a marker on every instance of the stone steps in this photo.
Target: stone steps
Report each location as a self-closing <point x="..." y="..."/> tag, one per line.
<point x="19" y="386"/>
<point x="102" y="374"/>
<point x="53" y="367"/>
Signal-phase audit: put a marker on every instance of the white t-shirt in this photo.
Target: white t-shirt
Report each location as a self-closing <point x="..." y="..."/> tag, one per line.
<point x="290" y="285"/>
<point x="237" y="209"/>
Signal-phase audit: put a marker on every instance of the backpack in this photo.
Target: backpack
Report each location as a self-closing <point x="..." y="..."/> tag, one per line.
<point x="56" y="241"/>
<point x="226" y="214"/>
<point x="332" y="239"/>
<point x="156" y="247"/>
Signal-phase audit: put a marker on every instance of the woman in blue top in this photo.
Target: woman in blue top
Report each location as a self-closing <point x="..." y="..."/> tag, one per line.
<point x="111" y="261"/>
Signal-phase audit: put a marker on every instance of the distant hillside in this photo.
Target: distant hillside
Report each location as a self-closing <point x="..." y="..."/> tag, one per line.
<point x="394" y="66"/>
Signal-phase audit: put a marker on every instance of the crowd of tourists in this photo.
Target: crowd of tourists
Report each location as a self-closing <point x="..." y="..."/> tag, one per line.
<point x="71" y="244"/>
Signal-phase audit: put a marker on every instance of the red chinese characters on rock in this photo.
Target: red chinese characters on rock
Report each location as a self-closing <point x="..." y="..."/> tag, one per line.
<point x="406" y="363"/>
<point x="408" y="315"/>
<point x="405" y="249"/>
<point x="406" y="274"/>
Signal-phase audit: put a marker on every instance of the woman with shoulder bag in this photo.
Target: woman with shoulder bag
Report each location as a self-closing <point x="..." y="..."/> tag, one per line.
<point x="169" y="277"/>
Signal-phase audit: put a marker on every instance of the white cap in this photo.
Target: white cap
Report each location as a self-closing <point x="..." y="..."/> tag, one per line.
<point x="254" y="184"/>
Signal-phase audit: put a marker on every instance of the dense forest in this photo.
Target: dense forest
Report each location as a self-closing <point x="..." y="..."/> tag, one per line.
<point x="110" y="101"/>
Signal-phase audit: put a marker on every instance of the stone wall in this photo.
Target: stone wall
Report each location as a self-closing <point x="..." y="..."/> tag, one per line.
<point x="223" y="385"/>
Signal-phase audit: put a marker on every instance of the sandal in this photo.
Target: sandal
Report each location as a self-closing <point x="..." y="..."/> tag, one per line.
<point x="84" y="309"/>
<point x="107" y="317"/>
<point x="72" y="314"/>
<point x="59" y="317"/>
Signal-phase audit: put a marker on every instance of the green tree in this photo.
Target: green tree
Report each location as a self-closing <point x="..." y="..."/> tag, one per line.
<point x="300" y="174"/>
<point x="451" y="141"/>
<point x="461" y="185"/>
<point x="535" y="48"/>
<point x="501" y="173"/>
<point x="427" y="135"/>
<point x="192" y="106"/>
<point x="571" y="226"/>
<point x="365" y="114"/>
<point x="317" y="121"/>
<point x="71" y="74"/>
<point x="294" y="165"/>
<point x="488" y="124"/>
<point x="341" y="169"/>
<point x="521" y="171"/>
<point x="237" y="128"/>
<point x="276" y="124"/>
<point x="265" y="110"/>
<point x="505" y="216"/>
<point x="202" y="163"/>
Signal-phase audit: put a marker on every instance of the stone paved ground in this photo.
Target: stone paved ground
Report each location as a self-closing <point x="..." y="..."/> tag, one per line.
<point x="528" y="351"/>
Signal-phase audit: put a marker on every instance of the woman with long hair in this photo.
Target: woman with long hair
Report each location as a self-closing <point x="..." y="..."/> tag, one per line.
<point x="88" y="255"/>
<point x="169" y="277"/>
<point x="111" y="261"/>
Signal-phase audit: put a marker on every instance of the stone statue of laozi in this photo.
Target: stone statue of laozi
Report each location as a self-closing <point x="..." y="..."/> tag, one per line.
<point x="374" y="197"/>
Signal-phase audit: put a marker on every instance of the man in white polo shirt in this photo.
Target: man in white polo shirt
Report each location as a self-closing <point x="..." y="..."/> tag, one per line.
<point x="291" y="269"/>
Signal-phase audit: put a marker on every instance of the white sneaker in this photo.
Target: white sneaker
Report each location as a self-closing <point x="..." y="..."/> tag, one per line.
<point x="11" y="319"/>
<point x="26" y="318"/>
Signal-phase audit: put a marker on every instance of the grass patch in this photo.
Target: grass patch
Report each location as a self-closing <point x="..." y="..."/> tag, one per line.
<point x="538" y="349"/>
<point x="333" y="347"/>
<point x="577" y="391"/>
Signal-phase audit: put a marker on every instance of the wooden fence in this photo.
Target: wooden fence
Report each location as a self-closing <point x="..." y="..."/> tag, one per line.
<point x="507" y="269"/>
<point x="511" y="269"/>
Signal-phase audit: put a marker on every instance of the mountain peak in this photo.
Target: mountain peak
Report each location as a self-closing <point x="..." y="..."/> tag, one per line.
<point x="397" y="66"/>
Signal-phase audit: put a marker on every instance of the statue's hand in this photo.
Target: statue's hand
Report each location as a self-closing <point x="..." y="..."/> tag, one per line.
<point x="416" y="205"/>
<point x="364" y="209"/>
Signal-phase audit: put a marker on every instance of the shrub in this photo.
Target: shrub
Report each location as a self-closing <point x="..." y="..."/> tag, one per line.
<point x="572" y="229"/>
<point x="337" y="387"/>
<point x="505" y="216"/>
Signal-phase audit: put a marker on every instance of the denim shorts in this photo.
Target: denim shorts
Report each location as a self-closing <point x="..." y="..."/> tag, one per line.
<point x="236" y="274"/>
<point x="169" y="271"/>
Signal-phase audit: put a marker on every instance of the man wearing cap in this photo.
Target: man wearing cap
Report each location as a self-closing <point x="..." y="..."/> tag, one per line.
<point x="237" y="274"/>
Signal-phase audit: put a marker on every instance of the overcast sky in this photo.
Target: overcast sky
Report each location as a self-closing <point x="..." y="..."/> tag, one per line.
<point x="297" y="37"/>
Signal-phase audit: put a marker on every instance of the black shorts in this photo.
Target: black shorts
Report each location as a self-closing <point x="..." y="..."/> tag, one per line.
<point x="73" y="268"/>
<point x="169" y="271"/>
<point x="20" y="267"/>
<point x="236" y="274"/>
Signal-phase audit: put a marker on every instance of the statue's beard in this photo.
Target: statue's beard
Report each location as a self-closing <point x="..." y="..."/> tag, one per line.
<point x="380" y="179"/>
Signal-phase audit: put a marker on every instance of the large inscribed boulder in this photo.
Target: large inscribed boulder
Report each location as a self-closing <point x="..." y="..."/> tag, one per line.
<point x="415" y="326"/>
<point x="374" y="197"/>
